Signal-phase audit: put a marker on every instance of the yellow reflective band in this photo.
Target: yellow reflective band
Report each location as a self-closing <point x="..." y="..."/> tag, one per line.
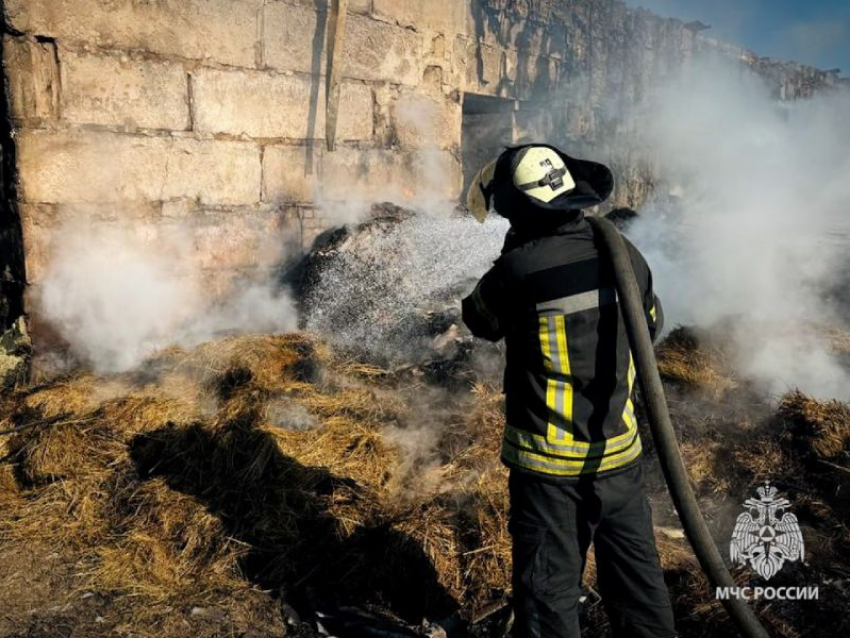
<point x="545" y="464"/>
<point x="544" y="344"/>
<point x="558" y="467"/>
<point x="552" y="347"/>
<point x="653" y="313"/>
<point x="559" y="391"/>
<point x="628" y="412"/>
<point x="631" y="422"/>
<point x="573" y="449"/>
<point x="563" y="353"/>
<point x="551" y="396"/>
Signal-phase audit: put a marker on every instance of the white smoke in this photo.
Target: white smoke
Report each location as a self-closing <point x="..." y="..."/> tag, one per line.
<point x="757" y="230"/>
<point x="420" y="175"/>
<point x="116" y="296"/>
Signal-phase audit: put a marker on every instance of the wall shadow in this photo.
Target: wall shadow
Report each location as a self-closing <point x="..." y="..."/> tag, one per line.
<point x="316" y="71"/>
<point x="279" y="508"/>
<point x="12" y="263"/>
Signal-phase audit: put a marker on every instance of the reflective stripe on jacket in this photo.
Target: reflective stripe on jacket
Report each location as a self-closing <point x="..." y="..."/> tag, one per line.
<point x="569" y="377"/>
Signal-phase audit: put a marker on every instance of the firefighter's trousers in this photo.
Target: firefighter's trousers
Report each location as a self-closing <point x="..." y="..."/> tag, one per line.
<point x="553" y="524"/>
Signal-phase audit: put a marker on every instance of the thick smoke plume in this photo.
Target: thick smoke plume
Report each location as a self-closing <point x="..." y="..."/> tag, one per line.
<point x="755" y="227"/>
<point x="115" y="297"/>
<point x="423" y="177"/>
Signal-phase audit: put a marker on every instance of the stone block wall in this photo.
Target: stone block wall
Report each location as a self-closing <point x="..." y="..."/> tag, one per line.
<point x="580" y="67"/>
<point x="208" y="116"/>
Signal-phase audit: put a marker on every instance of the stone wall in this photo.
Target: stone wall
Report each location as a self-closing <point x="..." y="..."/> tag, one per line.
<point x="208" y="115"/>
<point x="580" y="67"/>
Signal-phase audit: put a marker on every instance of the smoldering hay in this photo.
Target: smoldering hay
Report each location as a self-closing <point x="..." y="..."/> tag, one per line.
<point x="272" y="463"/>
<point x="390" y="285"/>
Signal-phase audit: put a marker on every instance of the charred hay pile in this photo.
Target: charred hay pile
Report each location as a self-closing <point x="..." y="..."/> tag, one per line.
<point x="734" y="438"/>
<point x="257" y="462"/>
<point x="389" y="289"/>
<point x="257" y="472"/>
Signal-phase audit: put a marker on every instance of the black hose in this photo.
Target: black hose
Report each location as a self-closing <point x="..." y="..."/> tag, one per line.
<point x="634" y="315"/>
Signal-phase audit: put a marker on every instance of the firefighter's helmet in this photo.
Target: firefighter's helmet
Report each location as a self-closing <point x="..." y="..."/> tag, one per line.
<point x="540" y="176"/>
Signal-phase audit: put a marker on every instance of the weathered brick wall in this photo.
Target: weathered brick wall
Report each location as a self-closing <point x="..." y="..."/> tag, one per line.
<point x="209" y="115"/>
<point x="581" y="67"/>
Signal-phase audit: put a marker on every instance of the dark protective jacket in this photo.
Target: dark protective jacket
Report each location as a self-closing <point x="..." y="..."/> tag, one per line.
<point x="569" y="377"/>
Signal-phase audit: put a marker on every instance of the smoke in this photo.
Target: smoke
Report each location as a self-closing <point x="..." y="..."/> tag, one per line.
<point x="288" y="415"/>
<point x="421" y="175"/>
<point x="420" y="440"/>
<point x="421" y="118"/>
<point x="115" y="296"/>
<point x="752" y="226"/>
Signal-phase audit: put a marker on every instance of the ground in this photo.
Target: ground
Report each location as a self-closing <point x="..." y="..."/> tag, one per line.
<point x="248" y="484"/>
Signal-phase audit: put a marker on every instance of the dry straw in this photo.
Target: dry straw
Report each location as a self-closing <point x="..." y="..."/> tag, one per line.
<point x="180" y="484"/>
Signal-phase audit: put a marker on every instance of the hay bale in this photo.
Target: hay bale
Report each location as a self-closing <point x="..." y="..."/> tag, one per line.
<point x="822" y="428"/>
<point x="688" y="357"/>
<point x="167" y="542"/>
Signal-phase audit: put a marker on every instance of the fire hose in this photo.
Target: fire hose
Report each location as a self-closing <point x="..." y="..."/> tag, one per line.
<point x="663" y="434"/>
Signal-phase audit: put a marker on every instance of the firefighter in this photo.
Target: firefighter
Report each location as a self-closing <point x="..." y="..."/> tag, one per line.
<point x="571" y="439"/>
